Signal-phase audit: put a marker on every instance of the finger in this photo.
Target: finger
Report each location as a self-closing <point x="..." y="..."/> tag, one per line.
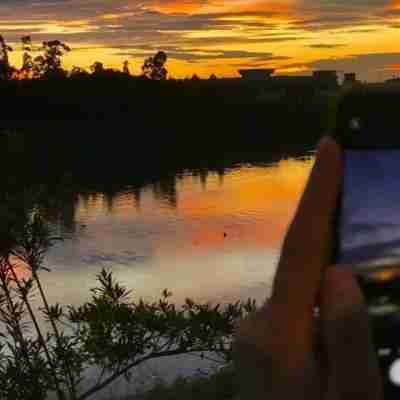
<point x="347" y="339"/>
<point x="306" y="244"/>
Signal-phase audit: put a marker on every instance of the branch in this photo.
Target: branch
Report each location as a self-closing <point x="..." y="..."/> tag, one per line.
<point x="167" y="343"/>
<point x="103" y="371"/>
<point x="117" y="374"/>
<point x="24" y="296"/>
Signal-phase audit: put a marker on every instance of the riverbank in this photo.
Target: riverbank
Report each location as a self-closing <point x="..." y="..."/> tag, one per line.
<point x="89" y="130"/>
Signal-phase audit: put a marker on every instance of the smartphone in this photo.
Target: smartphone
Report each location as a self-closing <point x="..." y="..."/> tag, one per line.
<point x="368" y="130"/>
<point x="367" y="223"/>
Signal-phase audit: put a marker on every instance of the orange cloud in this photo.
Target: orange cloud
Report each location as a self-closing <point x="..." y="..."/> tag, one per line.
<point x="217" y="6"/>
<point x="394" y="4"/>
<point x="177" y="6"/>
<point x="278" y="7"/>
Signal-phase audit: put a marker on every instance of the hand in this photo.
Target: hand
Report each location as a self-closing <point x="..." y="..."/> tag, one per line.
<point x="283" y="351"/>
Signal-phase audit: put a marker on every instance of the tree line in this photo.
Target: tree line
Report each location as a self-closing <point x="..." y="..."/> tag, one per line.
<point x="48" y="64"/>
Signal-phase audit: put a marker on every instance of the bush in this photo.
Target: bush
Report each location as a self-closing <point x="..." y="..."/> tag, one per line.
<point x="110" y="332"/>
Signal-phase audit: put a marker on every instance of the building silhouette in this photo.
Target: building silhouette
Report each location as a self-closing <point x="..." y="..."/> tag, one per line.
<point x="321" y="79"/>
<point x="256" y="74"/>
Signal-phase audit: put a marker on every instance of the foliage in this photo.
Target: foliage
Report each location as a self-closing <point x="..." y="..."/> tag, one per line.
<point x="48" y="65"/>
<point x="97" y="67"/>
<point x="5" y="69"/>
<point x="154" y="67"/>
<point x="78" y="72"/>
<point x="27" y="60"/>
<point x="110" y="332"/>
<point x="125" y="67"/>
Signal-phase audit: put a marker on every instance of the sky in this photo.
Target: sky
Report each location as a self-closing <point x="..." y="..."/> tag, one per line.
<point x="216" y="36"/>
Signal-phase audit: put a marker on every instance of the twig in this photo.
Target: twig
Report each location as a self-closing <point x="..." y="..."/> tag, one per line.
<point x="60" y="393"/>
<point x="67" y="369"/>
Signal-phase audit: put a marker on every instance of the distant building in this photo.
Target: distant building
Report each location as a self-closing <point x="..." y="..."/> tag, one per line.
<point x="350" y="78"/>
<point x="261" y="86"/>
<point x="322" y="79"/>
<point x="256" y="74"/>
<point x="394" y="80"/>
<point x="326" y="79"/>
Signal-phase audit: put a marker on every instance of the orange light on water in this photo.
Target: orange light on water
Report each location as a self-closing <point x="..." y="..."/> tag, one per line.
<point x="21" y="269"/>
<point x="263" y="198"/>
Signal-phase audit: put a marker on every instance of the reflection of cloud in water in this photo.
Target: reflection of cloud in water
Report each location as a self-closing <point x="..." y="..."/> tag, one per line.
<point x="106" y="259"/>
<point x="216" y="276"/>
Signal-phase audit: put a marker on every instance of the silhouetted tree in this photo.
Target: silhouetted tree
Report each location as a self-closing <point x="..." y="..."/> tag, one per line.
<point x="125" y="68"/>
<point x="213" y="77"/>
<point x="154" y="67"/>
<point x="195" y="77"/>
<point x="27" y="60"/>
<point x="49" y="64"/>
<point x="97" y="68"/>
<point x="78" y="72"/>
<point x="5" y="69"/>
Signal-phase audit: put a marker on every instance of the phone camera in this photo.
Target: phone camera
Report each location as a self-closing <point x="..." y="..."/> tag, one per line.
<point x="355" y="124"/>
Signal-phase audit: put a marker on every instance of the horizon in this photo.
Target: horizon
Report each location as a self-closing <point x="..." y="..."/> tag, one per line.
<point x="207" y="37"/>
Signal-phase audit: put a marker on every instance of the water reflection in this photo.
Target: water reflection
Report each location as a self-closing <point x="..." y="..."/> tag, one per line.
<point x="193" y="233"/>
<point x="208" y="234"/>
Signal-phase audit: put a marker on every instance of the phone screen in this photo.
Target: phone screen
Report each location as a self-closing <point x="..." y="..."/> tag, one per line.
<point x="370" y="210"/>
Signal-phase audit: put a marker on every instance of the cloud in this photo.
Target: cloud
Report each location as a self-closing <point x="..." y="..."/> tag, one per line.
<point x="250" y="17"/>
<point x="325" y="46"/>
<point x="369" y="67"/>
<point x="195" y="55"/>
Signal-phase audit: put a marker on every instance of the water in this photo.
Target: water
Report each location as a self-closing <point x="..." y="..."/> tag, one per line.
<point x="211" y="237"/>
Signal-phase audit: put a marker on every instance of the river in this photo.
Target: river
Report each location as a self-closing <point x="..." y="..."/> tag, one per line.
<point x="205" y="235"/>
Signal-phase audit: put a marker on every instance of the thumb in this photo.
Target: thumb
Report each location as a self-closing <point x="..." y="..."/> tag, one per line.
<point x="351" y="359"/>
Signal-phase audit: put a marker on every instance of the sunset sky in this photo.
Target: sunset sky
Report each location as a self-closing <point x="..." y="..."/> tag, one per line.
<point x="215" y="36"/>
